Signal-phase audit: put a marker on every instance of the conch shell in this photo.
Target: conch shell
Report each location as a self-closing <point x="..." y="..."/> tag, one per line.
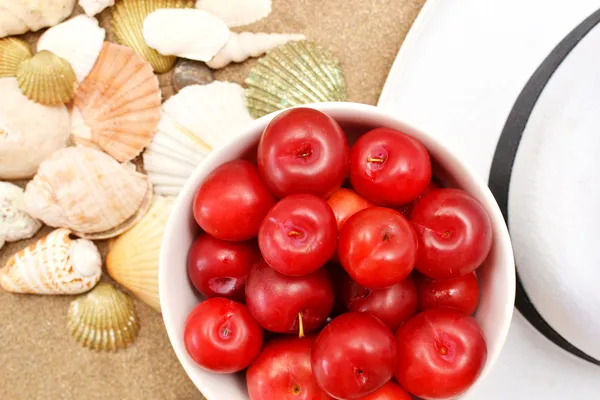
<point x="12" y="53"/>
<point x="242" y="46"/>
<point x="15" y="223"/>
<point x="56" y="264"/>
<point x="93" y="7"/>
<point x="132" y="258"/>
<point x="187" y="33"/>
<point x="103" y="319"/>
<point x="29" y="132"/>
<point x="87" y="191"/>
<point x="20" y="16"/>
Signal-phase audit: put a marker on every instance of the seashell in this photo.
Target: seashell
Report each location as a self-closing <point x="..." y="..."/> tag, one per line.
<point x="193" y="34"/>
<point x="55" y="264"/>
<point x="12" y="53"/>
<point x="47" y="79"/>
<point x="29" y="132"/>
<point x="93" y="7"/>
<point x="78" y="40"/>
<point x="242" y="46"/>
<point x="132" y="258"/>
<point x="88" y="192"/>
<point x="117" y="107"/>
<point x="190" y="72"/>
<point x="19" y="16"/>
<point x="294" y="74"/>
<point x="15" y="223"/>
<point x="103" y="319"/>
<point x="193" y="122"/>
<point x="237" y="12"/>
<point x="128" y="20"/>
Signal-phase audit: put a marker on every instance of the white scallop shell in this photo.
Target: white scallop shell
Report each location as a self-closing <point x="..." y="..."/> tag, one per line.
<point x="78" y="40"/>
<point x="237" y="12"/>
<point x="19" y="16"/>
<point x="93" y="7"/>
<point x="242" y="46"/>
<point x="193" y="122"/>
<point x="55" y="264"/>
<point x="29" y="132"/>
<point x="186" y="33"/>
<point x="15" y="223"/>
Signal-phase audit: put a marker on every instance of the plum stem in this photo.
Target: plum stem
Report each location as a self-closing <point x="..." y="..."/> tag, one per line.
<point x="376" y="159"/>
<point x="294" y="234"/>
<point x="301" y="330"/>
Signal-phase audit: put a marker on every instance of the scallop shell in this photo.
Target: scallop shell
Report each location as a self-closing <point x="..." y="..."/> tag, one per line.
<point x="55" y="264"/>
<point x="88" y="192"/>
<point x="93" y="7"/>
<point x="78" y="40"/>
<point x="294" y="74"/>
<point x="193" y="34"/>
<point x="190" y="72"/>
<point x="19" y="16"/>
<point x="242" y="46"/>
<point x="128" y="20"/>
<point x="29" y="132"/>
<point x="103" y="319"/>
<point x="15" y="223"/>
<point x="117" y="107"/>
<point x="237" y="12"/>
<point x="132" y="258"/>
<point x="193" y="122"/>
<point x="12" y="53"/>
<point x="47" y="79"/>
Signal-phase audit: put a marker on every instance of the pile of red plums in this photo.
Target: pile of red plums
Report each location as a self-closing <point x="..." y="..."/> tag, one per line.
<point x="329" y="270"/>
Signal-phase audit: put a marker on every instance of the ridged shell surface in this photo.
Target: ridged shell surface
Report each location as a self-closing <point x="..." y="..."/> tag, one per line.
<point x="193" y="122"/>
<point x="294" y="74"/>
<point x="55" y="264"/>
<point x="12" y="53"/>
<point x="117" y="107"/>
<point x="78" y="40"/>
<point x="103" y="320"/>
<point x="20" y="16"/>
<point x="237" y="12"/>
<point x="15" y="223"/>
<point x="24" y="126"/>
<point x="87" y="191"/>
<point x="128" y="21"/>
<point x="132" y="258"/>
<point x="47" y="79"/>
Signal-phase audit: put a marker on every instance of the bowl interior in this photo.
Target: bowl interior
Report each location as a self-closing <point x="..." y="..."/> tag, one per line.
<point x="178" y="297"/>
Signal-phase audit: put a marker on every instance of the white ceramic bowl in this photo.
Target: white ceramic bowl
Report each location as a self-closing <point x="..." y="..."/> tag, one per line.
<point x="178" y="297"/>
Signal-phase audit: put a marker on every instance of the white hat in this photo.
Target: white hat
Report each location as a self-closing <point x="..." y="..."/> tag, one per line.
<point x="513" y="86"/>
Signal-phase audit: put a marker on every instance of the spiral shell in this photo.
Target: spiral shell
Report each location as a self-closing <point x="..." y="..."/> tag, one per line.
<point x="12" y="53"/>
<point x="103" y="319"/>
<point x="47" y="79"/>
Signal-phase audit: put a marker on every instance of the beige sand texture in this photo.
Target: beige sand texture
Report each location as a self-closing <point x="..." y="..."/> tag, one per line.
<point x="39" y="359"/>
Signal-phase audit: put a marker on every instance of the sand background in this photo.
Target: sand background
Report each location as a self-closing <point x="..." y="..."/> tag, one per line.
<point x="39" y="359"/>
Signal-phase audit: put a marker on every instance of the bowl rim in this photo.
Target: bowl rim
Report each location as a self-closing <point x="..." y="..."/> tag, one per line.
<point x="359" y="109"/>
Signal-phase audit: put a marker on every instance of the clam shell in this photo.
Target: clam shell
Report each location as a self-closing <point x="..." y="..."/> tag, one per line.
<point x="193" y="122"/>
<point x="19" y="16"/>
<point x="294" y="74"/>
<point x="93" y="7"/>
<point x="132" y="258"/>
<point x="117" y="107"/>
<point x="103" y="319"/>
<point x="29" y="132"/>
<point x="128" y="19"/>
<point x="237" y="12"/>
<point x="78" y="40"/>
<point x="87" y="191"/>
<point x="47" y="79"/>
<point x="15" y="223"/>
<point x="12" y="53"/>
<point x="190" y="72"/>
<point x="55" y="264"/>
<point x="193" y="34"/>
